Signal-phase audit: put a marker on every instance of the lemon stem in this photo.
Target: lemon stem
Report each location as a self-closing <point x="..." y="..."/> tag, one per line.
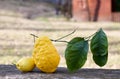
<point x="13" y="63"/>
<point x="57" y="40"/>
<point x="66" y="35"/>
<point x="34" y="36"/>
<point x="89" y="37"/>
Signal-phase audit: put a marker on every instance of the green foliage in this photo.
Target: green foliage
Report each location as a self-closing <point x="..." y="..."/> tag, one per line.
<point x="76" y="53"/>
<point x="100" y="60"/>
<point x="99" y="48"/>
<point x="99" y="43"/>
<point x="77" y="50"/>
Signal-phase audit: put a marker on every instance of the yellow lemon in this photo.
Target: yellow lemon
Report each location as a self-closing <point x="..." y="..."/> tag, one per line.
<point x="25" y="64"/>
<point x="45" y="55"/>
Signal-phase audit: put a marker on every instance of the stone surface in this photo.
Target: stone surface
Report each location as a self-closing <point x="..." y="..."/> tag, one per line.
<point x="10" y="72"/>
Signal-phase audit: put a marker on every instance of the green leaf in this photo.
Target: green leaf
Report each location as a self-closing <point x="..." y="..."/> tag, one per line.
<point x="99" y="43"/>
<point x="99" y="48"/>
<point x="76" y="53"/>
<point x="100" y="60"/>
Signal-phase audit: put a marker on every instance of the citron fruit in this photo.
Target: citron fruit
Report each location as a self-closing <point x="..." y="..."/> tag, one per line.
<point x="25" y="64"/>
<point x="45" y="55"/>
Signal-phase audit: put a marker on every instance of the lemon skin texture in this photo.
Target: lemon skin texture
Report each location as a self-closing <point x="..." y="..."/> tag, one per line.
<point x="45" y="55"/>
<point x="25" y="64"/>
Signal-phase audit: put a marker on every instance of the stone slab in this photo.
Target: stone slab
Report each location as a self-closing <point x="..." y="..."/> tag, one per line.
<point x="11" y="72"/>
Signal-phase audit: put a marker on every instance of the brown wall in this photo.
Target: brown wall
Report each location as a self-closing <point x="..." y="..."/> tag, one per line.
<point x="105" y="10"/>
<point x="79" y="10"/>
<point x="116" y="16"/>
<point x="81" y="13"/>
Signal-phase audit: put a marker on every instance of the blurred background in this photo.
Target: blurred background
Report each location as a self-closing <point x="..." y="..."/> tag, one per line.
<point x="55" y="18"/>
